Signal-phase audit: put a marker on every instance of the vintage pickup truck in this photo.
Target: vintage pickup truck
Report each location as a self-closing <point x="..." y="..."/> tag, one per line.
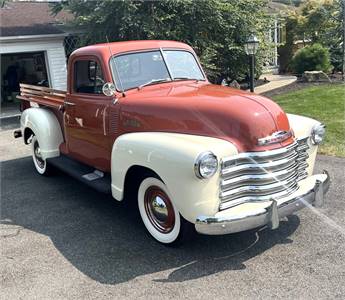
<point x="141" y="121"/>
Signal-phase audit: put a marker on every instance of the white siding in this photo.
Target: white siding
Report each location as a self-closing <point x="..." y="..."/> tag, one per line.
<point x="54" y="52"/>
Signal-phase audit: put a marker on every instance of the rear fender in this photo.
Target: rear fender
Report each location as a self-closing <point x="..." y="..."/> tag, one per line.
<point x="45" y="126"/>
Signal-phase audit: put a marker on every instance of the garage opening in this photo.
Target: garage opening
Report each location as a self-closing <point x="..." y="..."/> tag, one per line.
<point x="27" y="68"/>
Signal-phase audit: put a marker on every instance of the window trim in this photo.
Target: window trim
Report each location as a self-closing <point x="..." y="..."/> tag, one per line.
<point x="86" y="58"/>
<point x="162" y="49"/>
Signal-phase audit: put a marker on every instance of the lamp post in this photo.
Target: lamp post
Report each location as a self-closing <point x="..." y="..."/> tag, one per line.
<point x="251" y="46"/>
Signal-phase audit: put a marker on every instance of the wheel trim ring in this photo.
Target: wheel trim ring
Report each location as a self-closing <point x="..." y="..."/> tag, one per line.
<point x="40" y="162"/>
<point x="162" y="227"/>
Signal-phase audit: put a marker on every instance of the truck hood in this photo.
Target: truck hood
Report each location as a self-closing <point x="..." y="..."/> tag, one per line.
<point x="205" y="109"/>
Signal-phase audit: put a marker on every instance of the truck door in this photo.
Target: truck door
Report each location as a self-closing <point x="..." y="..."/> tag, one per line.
<point x="87" y="115"/>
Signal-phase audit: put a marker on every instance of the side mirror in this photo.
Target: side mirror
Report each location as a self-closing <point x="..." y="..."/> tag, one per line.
<point x="109" y="89"/>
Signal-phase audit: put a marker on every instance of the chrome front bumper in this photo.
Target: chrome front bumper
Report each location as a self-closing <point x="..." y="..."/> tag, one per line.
<point x="270" y="215"/>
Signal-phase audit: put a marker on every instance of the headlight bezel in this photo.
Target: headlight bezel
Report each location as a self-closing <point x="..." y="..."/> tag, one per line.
<point x="198" y="164"/>
<point x="318" y="133"/>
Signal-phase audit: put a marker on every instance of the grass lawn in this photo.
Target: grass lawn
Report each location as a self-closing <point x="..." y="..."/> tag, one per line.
<point x="325" y="103"/>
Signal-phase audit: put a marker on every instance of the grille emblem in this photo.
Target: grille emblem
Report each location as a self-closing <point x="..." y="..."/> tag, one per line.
<point x="276" y="137"/>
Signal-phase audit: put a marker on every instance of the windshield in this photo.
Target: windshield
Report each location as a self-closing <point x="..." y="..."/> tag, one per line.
<point x="143" y="68"/>
<point x="182" y="64"/>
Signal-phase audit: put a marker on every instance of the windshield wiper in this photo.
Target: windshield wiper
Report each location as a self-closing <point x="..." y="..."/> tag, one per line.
<point x="153" y="81"/>
<point x="187" y="78"/>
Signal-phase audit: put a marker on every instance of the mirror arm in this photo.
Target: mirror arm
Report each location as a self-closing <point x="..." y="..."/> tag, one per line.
<point x="115" y="100"/>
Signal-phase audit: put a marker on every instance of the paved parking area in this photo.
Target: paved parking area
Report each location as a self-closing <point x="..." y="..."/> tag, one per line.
<point x="62" y="240"/>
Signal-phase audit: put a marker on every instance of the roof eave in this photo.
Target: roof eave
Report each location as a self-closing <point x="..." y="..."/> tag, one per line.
<point x="58" y="36"/>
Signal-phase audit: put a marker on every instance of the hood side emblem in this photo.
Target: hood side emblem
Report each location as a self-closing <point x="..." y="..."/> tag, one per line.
<point x="276" y="137"/>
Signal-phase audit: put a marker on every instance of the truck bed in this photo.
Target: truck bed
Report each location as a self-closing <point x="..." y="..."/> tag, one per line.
<point x="42" y="95"/>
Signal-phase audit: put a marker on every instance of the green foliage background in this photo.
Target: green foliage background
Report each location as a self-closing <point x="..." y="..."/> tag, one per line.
<point x="216" y="29"/>
<point x="315" y="21"/>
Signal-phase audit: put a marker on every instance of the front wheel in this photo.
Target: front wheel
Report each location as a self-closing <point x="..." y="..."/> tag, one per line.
<point x="40" y="164"/>
<point x="159" y="214"/>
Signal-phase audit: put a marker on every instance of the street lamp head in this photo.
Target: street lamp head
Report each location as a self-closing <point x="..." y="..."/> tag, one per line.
<point x="251" y="45"/>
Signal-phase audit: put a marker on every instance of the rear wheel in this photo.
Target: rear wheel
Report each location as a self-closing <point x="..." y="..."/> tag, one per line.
<point x="40" y="164"/>
<point x="159" y="214"/>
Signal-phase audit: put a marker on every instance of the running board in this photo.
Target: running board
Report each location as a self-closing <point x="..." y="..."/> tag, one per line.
<point x="90" y="176"/>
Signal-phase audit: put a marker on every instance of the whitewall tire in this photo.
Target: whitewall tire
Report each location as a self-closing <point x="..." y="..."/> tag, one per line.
<point x="158" y="213"/>
<point x="39" y="162"/>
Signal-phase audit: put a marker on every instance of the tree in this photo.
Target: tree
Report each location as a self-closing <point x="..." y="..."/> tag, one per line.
<point x="343" y="39"/>
<point x="293" y="32"/>
<point x="324" y="25"/>
<point x="216" y="29"/>
<point x="318" y="21"/>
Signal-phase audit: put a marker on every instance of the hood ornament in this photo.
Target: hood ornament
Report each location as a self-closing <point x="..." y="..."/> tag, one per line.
<point x="276" y="137"/>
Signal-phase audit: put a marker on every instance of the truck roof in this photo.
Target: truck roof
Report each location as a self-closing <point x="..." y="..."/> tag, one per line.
<point x="127" y="46"/>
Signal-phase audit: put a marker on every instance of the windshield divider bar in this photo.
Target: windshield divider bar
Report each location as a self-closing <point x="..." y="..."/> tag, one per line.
<point x="166" y="64"/>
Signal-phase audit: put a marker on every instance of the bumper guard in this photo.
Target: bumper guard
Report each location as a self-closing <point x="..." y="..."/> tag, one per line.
<point x="271" y="215"/>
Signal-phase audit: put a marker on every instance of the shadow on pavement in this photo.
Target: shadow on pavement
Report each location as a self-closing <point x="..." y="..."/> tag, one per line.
<point x="106" y="241"/>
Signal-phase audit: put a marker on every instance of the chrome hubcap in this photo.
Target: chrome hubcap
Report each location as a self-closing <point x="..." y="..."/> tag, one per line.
<point x="38" y="155"/>
<point x="159" y="209"/>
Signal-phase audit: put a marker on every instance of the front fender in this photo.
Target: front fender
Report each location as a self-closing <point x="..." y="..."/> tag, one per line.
<point x="172" y="157"/>
<point x="302" y="127"/>
<point x="46" y="128"/>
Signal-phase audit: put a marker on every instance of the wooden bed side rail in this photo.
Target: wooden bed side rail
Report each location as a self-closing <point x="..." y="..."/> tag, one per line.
<point x="42" y="95"/>
<point x="43" y="89"/>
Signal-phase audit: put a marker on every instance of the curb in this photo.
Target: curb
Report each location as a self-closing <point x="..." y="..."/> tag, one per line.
<point x="10" y="116"/>
<point x="9" y="122"/>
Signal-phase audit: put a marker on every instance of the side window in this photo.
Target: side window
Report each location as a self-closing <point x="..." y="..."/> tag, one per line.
<point x="88" y="77"/>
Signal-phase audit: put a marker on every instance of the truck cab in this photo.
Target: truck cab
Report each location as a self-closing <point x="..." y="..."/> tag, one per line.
<point x="140" y="120"/>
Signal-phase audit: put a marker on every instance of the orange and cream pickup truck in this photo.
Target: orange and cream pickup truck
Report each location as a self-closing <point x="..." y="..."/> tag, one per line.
<point x="141" y="121"/>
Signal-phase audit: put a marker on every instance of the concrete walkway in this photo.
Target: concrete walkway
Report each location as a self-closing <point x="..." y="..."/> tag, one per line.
<point x="275" y="81"/>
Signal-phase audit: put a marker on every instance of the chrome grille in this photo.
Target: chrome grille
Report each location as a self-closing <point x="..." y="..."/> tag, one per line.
<point x="260" y="176"/>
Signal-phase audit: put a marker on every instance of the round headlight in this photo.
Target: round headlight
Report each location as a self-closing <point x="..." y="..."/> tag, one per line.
<point x="206" y="165"/>
<point x="318" y="134"/>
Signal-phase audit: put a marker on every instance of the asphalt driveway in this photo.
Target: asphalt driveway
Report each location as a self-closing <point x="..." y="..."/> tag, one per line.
<point x="62" y="240"/>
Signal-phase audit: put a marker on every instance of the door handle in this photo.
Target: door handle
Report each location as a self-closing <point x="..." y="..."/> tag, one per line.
<point x="69" y="103"/>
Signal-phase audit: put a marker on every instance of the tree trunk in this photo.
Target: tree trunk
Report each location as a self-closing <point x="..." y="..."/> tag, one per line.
<point x="343" y="12"/>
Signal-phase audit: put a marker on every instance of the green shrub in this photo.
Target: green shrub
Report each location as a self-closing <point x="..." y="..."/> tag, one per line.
<point x="311" y="58"/>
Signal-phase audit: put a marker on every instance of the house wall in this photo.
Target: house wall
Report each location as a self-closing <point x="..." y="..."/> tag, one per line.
<point x="273" y="38"/>
<point x="54" y="55"/>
